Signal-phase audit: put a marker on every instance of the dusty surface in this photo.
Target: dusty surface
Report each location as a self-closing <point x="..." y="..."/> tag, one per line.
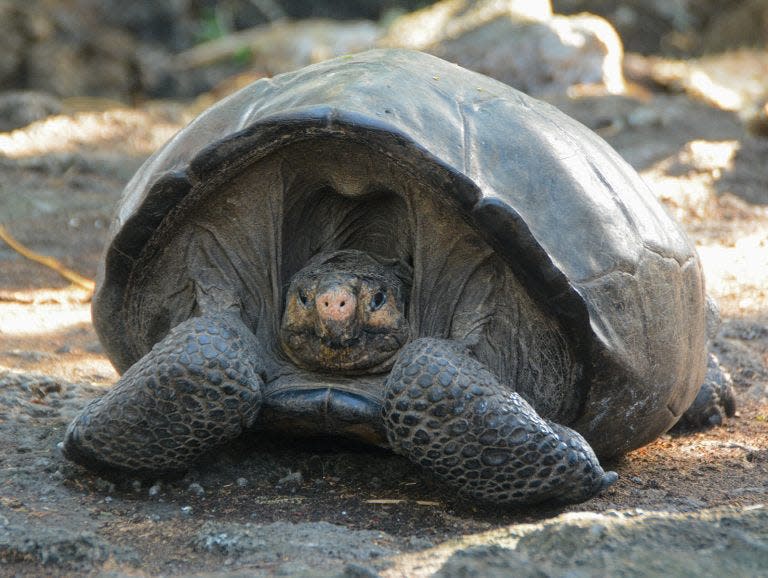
<point x="274" y="506"/>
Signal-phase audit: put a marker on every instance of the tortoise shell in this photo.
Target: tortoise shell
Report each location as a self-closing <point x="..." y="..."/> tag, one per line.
<point x="461" y="176"/>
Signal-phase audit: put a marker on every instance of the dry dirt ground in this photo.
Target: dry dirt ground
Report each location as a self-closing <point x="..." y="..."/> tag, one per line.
<point x="277" y="507"/>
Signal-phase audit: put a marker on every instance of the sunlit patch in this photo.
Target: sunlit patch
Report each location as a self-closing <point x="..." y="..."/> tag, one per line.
<point x="712" y="155"/>
<point x="17" y="320"/>
<point x="737" y="275"/>
<point x="733" y="80"/>
<point x="714" y="92"/>
<point x="54" y="337"/>
<point x="127" y="131"/>
<point x="691" y="195"/>
<point x="731" y="235"/>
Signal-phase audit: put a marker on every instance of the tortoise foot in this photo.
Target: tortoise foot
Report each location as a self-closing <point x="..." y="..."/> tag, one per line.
<point x="196" y="389"/>
<point x="446" y="411"/>
<point x="714" y="402"/>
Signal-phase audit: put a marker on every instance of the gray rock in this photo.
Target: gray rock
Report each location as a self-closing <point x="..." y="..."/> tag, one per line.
<point x="326" y="544"/>
<point x="519" y="43"/>
<point x="58" y="547"/>
<point x="12" y="40"/>
<point x="719" y="542"/>
<point x="196" y="489"/>
<point x="20" y="108"/>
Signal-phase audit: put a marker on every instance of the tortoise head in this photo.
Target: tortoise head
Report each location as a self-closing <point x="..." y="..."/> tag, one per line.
<point x="345" y="312"/>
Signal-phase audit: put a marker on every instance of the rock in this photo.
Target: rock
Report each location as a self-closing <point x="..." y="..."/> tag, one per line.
<point x="283" y="46"/>
<point x="291" y="482"/>
<point x="756" y="119"/>
<point x="326" y="544"/>
<point x="519" y="43"/>
<point x="196" y="489"/>
<point x="12" y="43"/>
<point x="647" y="27"/>
<point x="454" y="18"/>
<point x="742" y="25"/>
<point x="101" y="65"/>
<point x="734" y="81"/>
<point x="679" y="28"/>
<point x="58" y="547"/>
<point x="748" y="178"/>
<point x="718" y="542"/>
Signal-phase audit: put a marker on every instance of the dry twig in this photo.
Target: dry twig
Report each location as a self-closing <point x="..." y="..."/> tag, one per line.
<point x="47" y="261"/>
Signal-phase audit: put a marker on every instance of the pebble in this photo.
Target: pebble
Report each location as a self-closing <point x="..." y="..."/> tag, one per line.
<point x="242" y="482"/>
<point x="186" y="510"/>
<point x="196" y="489"/>
<point x="154" y="490"/>
<point x="291" y="482"/>
<point x="104" y="486"/>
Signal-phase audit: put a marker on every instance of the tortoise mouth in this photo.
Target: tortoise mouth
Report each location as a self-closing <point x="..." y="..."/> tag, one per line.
<point x="369" y="352"/>
<point x="335" y="343"/>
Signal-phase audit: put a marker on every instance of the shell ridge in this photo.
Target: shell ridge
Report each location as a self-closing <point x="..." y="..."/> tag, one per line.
<point x="612" y="192"/>
<point x="618" y="269"/>
<point x="681" y="260"/>
<point x="465" y="138"/>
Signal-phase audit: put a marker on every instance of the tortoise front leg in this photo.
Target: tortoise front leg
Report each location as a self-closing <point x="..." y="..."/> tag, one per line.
<point x="446" y="411"/>
<point x="197" y="388"/>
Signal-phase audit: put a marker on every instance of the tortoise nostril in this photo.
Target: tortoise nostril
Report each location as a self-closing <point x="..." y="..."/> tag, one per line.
<point x="337" y="304"/>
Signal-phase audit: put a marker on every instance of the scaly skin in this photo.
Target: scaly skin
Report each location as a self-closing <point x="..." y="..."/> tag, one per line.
<point x="196" y="389"/>
<point x="714" y="400"/>
<point x="445" y="411"/>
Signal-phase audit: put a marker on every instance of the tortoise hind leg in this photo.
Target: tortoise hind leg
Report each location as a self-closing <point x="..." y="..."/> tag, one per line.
<point x="194" y="390"/>
<point x="714" y="401"/>
<point x="446" y="411"/>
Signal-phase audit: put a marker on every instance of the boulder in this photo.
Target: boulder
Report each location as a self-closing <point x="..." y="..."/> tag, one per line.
<point x="520" y="43"/>
<point x="719" y="542"/>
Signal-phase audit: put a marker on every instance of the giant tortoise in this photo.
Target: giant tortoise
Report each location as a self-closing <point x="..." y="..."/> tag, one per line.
<point x="389" y="247"/>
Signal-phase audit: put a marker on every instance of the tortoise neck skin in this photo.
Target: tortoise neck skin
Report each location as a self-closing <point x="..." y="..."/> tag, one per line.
<point x="345" y="313"/>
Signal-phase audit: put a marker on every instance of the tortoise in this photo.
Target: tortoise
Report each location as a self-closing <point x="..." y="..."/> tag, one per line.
<point x="392" y="248"/>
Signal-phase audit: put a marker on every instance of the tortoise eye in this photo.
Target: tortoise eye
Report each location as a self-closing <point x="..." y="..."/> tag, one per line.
<point x="303" y="299"/>
<point x="378" y="300"/>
